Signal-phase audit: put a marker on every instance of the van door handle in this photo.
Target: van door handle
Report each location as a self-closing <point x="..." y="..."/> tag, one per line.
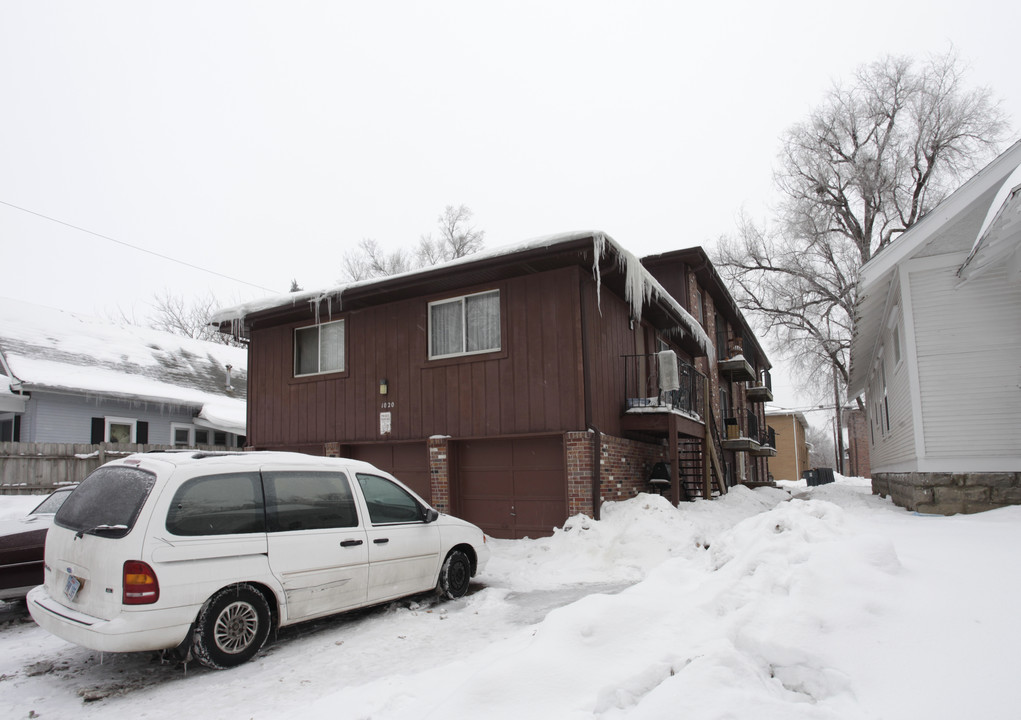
<point x="381" y="541"/>
<point x="350" y="543"/>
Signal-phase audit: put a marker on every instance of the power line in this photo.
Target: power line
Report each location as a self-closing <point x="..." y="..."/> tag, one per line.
<point x="135" y="247"/>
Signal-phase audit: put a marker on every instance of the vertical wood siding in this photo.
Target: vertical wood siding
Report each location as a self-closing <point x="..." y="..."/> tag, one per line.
<point x="533" y="385"/>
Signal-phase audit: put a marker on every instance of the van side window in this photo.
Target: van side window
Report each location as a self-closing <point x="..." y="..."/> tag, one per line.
<point x="218" y="505"/>
<point x="389" y="503"/>
<point x="308" y="500"/>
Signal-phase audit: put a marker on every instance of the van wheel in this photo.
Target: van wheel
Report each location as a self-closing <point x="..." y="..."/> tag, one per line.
<point x="231" y="627"/>
<point x="455" y="575"/>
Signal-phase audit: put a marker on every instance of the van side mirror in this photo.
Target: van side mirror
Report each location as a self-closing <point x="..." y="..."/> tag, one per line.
<point x="431" y="515"/>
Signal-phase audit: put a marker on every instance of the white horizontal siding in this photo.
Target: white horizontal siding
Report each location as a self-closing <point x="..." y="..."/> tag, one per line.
<point x="897" y="445"/>
<point x="969" y="363"/>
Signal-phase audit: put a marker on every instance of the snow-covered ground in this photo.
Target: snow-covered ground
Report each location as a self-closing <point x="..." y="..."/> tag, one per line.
<point x="830" y="604"/>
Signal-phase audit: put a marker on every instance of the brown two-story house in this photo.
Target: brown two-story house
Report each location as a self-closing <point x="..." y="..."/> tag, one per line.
<point x="519" y="386"/>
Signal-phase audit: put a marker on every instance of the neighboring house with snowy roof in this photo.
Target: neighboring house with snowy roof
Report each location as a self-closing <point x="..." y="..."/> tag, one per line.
<point x="69" y="378"/>
<point x="937" y="350"/>
<point x="521" y="385"/>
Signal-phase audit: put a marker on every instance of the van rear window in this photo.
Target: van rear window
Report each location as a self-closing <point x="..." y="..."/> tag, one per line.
<point x="225" y="504"/>
<point x="107" y="502"/>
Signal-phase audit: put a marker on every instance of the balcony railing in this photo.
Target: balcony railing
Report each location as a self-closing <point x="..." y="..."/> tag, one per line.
<point x="648" y="387"/>
<point x="742" y="432"/>
<point x="767" y="444"/>
<point x="760" y="391"/>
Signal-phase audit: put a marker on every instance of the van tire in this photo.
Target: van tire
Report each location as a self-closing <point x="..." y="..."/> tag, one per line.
<point x="231" y="627"/>
<point x="455" y="575"/>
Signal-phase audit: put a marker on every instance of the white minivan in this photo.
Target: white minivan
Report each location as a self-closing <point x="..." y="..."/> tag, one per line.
<point x="203" y="552"/>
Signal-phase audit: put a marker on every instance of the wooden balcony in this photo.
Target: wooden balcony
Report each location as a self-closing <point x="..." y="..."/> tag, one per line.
<point x="759" y="394"/>
<point x="736" y="369"/>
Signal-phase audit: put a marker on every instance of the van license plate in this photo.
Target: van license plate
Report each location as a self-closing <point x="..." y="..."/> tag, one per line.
<point x="71" y="587"/>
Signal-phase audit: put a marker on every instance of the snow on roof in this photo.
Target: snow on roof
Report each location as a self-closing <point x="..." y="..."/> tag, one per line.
<point x="992" y="242"/>
<point x="60" y="351"/>
<point x="641" y="288"/>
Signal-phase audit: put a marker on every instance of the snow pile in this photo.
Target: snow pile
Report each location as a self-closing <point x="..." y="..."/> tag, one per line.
<point x="633" y="537"/>
<point x="13" y="507"/>
<point x="833" y="604"/>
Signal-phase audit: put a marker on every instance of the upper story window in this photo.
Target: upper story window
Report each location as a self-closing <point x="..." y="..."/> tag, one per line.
<point x="721" y="338"/>
<point x="319" y="349"/>
<point x="464" y="325"/>
<point x="699" y="308"/>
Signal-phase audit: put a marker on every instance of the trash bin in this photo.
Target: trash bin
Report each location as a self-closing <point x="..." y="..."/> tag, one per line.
<point x="818" y="476"/>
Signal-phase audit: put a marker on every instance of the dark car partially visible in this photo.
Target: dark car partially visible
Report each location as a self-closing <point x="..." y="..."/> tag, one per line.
<point x="22" y="546"/>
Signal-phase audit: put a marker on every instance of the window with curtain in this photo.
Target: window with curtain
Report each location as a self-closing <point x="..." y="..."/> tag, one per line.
<point x="319" y="349"/>
<point x="465" y="325"/>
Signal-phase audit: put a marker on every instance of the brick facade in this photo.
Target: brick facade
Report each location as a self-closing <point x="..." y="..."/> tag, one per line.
<point x="625" y="467"/>
<point x="578" y="447"/>
<point x="857" y="443"/>
<point x="439" y="472"/>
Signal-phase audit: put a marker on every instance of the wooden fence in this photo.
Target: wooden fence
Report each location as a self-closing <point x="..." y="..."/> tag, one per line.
<point x="39" y="468"/>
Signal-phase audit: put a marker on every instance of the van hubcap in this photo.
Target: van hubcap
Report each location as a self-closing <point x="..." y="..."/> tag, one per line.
<point x="235" y="627"/>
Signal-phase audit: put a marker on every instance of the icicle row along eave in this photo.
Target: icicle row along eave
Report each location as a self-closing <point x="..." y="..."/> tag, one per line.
<point x="641" y="289"/>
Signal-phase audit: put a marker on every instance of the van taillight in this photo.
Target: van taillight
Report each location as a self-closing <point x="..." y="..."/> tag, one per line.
<point x="140" y="584"/>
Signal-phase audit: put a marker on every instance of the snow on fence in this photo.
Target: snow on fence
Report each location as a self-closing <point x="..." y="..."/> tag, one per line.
<point x="37" y="468"/>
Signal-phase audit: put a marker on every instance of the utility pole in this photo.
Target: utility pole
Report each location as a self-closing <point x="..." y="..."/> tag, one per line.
<point x="839" y="444"/>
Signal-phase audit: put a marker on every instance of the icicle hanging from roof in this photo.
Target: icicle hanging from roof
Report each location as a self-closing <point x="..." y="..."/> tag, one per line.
<point x="641" y="288"/>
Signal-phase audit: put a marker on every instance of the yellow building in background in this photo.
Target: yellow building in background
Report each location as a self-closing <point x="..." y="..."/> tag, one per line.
<point x="791" y="445"/>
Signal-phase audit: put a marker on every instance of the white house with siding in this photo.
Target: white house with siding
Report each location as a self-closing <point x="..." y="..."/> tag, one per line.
<point x="937" y="350"/>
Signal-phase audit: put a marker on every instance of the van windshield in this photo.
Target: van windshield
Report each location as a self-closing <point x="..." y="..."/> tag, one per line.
<point x="107" y="502"/>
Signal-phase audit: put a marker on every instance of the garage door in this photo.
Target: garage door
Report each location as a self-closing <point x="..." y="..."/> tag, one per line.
<point x="511" y="488"/>
<point x="408" y="462"/>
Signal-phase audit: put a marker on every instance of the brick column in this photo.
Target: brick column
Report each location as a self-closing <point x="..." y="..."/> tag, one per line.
<point x="579" y="472"/>
<point x="439" y="473"/>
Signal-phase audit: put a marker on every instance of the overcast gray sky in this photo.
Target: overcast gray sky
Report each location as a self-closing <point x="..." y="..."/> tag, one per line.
<point x="260" y="140"/>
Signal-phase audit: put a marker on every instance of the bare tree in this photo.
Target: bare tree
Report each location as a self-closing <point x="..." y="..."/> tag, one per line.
<point x="457" y="238"/>
<point x="190" y="318"/>
<point x="820" y="445"/>
<point x="869" y="162"/>
<point x="372" y="261"/>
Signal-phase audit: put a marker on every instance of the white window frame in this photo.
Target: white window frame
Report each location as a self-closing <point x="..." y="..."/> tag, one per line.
<point x="320" y="371"/>
<point x="464" y="325"/>
<point x="174" y="427"/>
<point x="120" y="421"/>
<point x="229" y="441"/>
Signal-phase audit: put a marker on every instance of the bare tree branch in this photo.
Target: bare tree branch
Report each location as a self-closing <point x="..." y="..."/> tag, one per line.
<point x="868" y="163"/>
<point x="457" y="238"/>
